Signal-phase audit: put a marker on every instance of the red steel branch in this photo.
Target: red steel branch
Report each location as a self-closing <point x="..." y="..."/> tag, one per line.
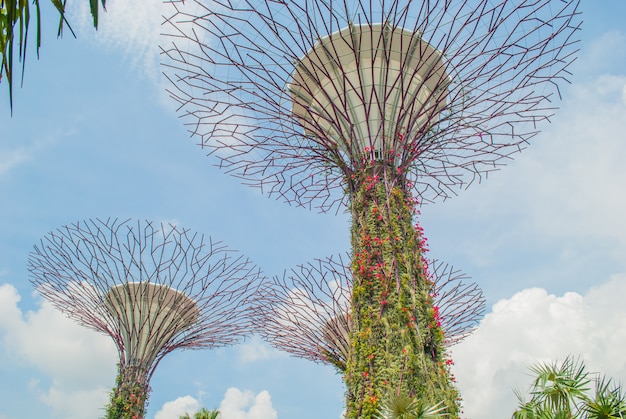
<point x="306" y="311"/>
<point x="471" y="82"/>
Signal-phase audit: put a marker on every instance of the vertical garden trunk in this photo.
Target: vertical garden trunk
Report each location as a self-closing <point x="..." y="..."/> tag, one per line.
<point x="397" y="341"/>
<point x="129" y="397"/>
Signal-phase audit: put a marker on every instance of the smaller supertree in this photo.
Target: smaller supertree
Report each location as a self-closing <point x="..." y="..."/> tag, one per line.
<point x="307" y="310"/>
<point x="152" y="287"/>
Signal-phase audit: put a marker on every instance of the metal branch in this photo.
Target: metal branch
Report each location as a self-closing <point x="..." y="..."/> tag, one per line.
<point x="306" y="311"/>
<point x="295" y="96"/>
<point x="461" y="304"/>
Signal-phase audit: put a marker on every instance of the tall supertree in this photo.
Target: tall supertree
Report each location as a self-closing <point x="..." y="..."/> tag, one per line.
<point x="376" y="105"/>
<point x="306" y="312"/>
<point x="152" y="288"/>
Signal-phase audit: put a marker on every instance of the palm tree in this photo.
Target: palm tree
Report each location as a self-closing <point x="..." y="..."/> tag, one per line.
<point x="203" y="414"/>
<point x="609" y="402"/>
<point x="561" y="392"/>
<point x="405" y="407"/>
<point x="15" y="19"/>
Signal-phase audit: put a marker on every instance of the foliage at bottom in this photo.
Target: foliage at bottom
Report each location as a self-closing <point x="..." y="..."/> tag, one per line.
<point x="564" y="391"/>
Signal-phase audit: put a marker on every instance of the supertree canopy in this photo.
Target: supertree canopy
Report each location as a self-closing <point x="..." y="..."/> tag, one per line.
<point x="152" y="287"/>
<point x="380" y="105"/>
<point x="298" y="96"/>
<point x="306" y="312"/>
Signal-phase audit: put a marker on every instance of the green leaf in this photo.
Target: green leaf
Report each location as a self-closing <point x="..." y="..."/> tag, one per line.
<point x="560" y="387"/>
<point x="15" y="19"/>
<point x="404" y="407"/>
<point x="609" y="402"/>
<point x="560" y="392"/>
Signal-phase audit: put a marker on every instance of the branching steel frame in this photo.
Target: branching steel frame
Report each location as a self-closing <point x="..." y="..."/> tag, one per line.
<point x="305" y="312"/>
<point x="232" y="67"/>
<point x="151" y="287"/>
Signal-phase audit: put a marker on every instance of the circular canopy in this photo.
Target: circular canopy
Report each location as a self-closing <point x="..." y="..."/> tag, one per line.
<point x="149" y="316"/>
<point x="360" y="88"/>
<point x="299" y="97"/>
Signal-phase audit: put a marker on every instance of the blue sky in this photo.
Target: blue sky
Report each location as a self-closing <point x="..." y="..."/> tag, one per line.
<point x="93" y="134"/>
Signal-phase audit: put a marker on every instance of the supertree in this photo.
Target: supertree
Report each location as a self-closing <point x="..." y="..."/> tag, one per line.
<point x="306" y="312"/>
<point x="152" y="288"/>
<point x="376" y="105"/>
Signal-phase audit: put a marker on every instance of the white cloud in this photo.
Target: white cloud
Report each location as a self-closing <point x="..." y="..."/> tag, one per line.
<point x="131" y="26"/>
<point x="534" y="326"/>
<point x="71" y="403"/>
<point x="80" y="362"/>
<point x="18" y="149"/>
<point x="70" y="349"/>
<point x="178" y="407"/>
<point x="138" y="28"/>
<point x="13" y="155"/>
<point x="12" y="158"/>
<point x="604" y="53"/>
<point x="239" y="404"/>
<point x="577" y="174"/>
<point x="257" y="350"/>
<point x="577" y="164"/>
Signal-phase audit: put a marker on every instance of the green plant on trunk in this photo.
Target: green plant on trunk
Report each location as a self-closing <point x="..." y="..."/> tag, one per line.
<point x="128" y="400"/>
<point x="397" y="342"/>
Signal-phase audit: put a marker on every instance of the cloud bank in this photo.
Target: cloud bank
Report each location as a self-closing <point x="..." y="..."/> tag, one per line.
<point x="130" y="26"/>
<point x="237" y="404"/>
<point x="534" y="326"/>
<point x="79" y="362"/>
<point x="178" y="407"/>
<point x="80" y="365"/>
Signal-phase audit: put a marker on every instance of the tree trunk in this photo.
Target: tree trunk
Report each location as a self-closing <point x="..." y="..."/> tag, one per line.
<point x="396" y="340"/>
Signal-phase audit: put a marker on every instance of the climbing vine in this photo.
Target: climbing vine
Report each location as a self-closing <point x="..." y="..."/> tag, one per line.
<point x="128" y="400"/>
<point x="397" y="340"/>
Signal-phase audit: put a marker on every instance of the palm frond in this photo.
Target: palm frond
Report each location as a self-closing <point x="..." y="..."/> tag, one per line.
<point x="405" y="407"/>
<point x="15" y="23"/>
<point x="560" y="387"/>
<point x="609" y="401"/>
